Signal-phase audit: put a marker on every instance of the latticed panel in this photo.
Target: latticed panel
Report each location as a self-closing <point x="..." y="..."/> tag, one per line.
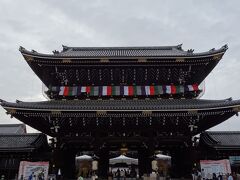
<point x="174" y="76"/>
<point x="129" y="76"/>
<point x="162" y="75"/>
<point x="116" y="76"/>
<point x="106" y="76"/>
<point x="71" y="76"/>
<point x="94" y="76"/>
<point x="152" y="76"/>
<point x="140" y="76"/>
<point x="83" y="76"/>
<point x="60" y="75"/>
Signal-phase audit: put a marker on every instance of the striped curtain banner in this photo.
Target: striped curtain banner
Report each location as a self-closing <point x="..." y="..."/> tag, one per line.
<point x="88" y="89"/>
<point x="156" y="90"/>
<point x="78" y="90"/>
<point x="173" y="89"/>
<point x="109" y="90"/>
<point x="126" y="93"/>
<point x="160" y="88"/>
<point x="130" y="90"/>
<point x="116" y="90"/>
<point x="190" y="88"/>
<point x="96" y="91"/>
<point x="143" y="90"/>
<point x="135" y="90"/>
<point x="147" y="90"/>
<point x="66" y="91"/>
<point x="83" y="89"/>
<point x="61" y="92"/>
<point x="70" y="89"/>
<point x="74" y="91"/>
<point x="168" y="89"/>
<point x="139" y="91"/>
<point x="195" y="87"/>
<point x="104" y="90"/>
<point x="124" y="90"/>
<point x="151" y="90"/>
<point x="91" y="90"/>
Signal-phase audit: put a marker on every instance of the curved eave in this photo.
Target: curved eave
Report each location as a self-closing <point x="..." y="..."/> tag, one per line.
<point x="224" y="105"/>
<point x="21" y="149"/>
<point x="34" y="54"/>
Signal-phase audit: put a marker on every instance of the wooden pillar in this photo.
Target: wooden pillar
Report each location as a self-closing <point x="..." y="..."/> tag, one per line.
<point x="63" y="160"/>
<point x="144" y="161"/>
<point x="183" y="160"/>
<point x="68" y="170"/>
<point x="103" y="163"/>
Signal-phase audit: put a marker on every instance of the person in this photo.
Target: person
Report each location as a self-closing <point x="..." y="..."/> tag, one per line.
<point x="118" y="173"/>
<point x="21" y="178"/>
<point x="209" y="176"/>
<point x="80" y="178"/>
<point x="203" y="175"/>
<point x="214" y="176"/>
<point x="220" y="177"/>
<point x="122" y="174"/>
<point x="31" y="176"/>
<point x="230" y="177"/>
<point x="2" y="177"/>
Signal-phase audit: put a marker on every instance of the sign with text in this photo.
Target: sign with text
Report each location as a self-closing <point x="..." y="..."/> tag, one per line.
<point x="33" y="170"/>
<point x="215" y="166"/>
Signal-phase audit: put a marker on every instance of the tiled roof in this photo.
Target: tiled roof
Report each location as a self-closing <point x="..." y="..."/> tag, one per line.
<point x="161" y="105"/>
<point x="23" y="142"/>
<point x="148" y="51"/>
<point x="222" y="139"/>
<point x="12" y="129"/>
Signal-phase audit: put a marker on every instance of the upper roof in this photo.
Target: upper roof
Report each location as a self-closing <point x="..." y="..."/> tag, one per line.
<point x="101" y="52"/>
<point x="222" y="139"/>
<point x="12" y="129"/>
<point x="124" y="105"/>
<point x="22" y="142"/>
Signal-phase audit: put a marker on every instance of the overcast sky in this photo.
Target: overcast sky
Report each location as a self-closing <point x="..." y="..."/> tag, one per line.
<point x="46" y="25"/>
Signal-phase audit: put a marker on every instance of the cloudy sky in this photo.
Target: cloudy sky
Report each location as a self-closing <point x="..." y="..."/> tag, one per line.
<point x="46" y="25"/>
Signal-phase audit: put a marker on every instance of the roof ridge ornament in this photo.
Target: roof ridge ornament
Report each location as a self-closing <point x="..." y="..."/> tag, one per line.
<point x="18" y="101"/>
<point x="55" y="52"/>
<point x="190" y="51"/>
<point x="229" y="99"/>
<point x="225" y="46"/>
<point x="65" y="48"/>
<point x="179" y="46"/>
<point x="21" y="49"/>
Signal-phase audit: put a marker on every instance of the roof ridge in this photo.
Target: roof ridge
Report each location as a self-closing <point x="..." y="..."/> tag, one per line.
<point x="9" y="125"/>
<point x="26" y="134"/>
<point x="223" y="132"/>
<point x="123" y="47"/>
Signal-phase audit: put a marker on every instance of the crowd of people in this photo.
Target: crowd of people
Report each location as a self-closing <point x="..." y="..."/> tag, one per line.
<point x="124" y="173"/>
<point x="202" y="175"/>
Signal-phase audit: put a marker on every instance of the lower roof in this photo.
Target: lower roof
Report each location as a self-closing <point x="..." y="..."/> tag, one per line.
<point x="22" y="142"/>
<point x="221" y="139"/>
<point x="12" y="129"/>
<point x="125" y="105"/>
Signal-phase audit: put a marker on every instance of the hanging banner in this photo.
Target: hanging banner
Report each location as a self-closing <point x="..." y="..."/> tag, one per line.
<point x="124" y="90"/>
<point x="215" y="166"/>
<point x="33" y="170"/>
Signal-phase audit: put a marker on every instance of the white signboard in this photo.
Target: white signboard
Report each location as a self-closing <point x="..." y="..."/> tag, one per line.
<point x="33" y="170"/>
<point x="218" y="166"/>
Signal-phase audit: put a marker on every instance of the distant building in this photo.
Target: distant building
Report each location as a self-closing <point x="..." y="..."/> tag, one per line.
<point x="17" y="145"/>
